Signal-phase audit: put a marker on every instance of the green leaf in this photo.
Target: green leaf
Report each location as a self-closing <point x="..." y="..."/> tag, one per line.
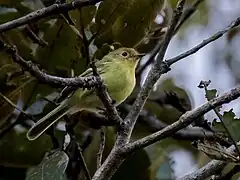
<point x="134" y="167"/>
<point x="211" y="94"/>
<point x="16" y="150"/>
<point x="232" y="123"/>
<point x="91" y="151"/>
<point x="15" y="85"/>
<point x="52" y="167"/>
<point x="109" y="11"/>
<point x="130" y="28"/>
<point x="63" y="51"/>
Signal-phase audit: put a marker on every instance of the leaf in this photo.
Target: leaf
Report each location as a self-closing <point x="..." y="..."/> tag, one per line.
<point x="157" y="29"/>
<point x="211" y="94"/>
<point x="91" y="151"/>
<point x="232" y="123"/>
<point x="16" y="150"/>
<point x="132" y="26"/>
<point x="52" y="167"/>
<point x="63" y="52"/>
<point x="15" y="85"/>
<point x="87" y="13"/>
<point x="8" y="14"/>
<point x="134" y="167"/>
<point x="109" y="11"/>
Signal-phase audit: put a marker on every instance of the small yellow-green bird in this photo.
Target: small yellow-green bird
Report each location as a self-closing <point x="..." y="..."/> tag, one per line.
<point x="117" y="69"/>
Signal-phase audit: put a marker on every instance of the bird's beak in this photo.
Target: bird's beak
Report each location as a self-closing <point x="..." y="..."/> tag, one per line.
<point x="140" y="55"/>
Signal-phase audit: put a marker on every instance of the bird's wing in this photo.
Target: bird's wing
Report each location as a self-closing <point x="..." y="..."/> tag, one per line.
<point x="69" y="90"/>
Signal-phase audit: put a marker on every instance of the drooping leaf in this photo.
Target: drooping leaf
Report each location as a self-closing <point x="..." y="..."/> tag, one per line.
<point x="132" y="26"/>
<point x="52" y="167"/>
<point x="63" y="51"/>
<point x="109" y="11"/>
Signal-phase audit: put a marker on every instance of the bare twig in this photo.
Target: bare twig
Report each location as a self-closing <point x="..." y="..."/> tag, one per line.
<point x="29" y="32"/>
<point x="85" y="82"/>
<point x="183" y="121"/>
<point x="209" y="169"/>
<point x="101" y="148"/>
<point x="46" y="12"/>
<point x="84" y="165"/>
<point x="203" y="43"/>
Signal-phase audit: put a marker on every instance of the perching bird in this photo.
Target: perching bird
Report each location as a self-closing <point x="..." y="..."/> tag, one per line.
<point x="117" y="69"/>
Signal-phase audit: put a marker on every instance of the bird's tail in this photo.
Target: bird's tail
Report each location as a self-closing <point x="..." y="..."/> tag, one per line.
<point x="47" y="121"/>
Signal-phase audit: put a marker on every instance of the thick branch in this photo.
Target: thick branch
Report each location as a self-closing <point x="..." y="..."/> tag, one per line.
<point x="209" y="169"/>
<point x="85" y="82"/>
<point x="183" y="121"/>
<point x="46" y="12"/>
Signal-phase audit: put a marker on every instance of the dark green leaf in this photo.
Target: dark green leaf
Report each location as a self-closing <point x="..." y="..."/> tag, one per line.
<point x="52" y="167"/>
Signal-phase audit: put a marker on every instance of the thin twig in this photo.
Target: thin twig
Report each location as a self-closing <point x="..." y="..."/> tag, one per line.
<point x="101" y="148"/>
<point x="84" y="82"/>
<point x="46" y="12"/>
<point x="15" y="106"/>
<point x="29" y="32"/>
<point x="84" y="165"/>
<point x="16" y="122"/>
<point x="203" y="43"/>
<point x="209" y="169"/>
<point x="186" y="15"/>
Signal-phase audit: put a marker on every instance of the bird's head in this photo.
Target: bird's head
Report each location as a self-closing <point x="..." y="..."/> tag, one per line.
<point x="126" y="55"/>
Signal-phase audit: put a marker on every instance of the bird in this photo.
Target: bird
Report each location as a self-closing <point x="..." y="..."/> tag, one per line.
<point x="116" y="69"/>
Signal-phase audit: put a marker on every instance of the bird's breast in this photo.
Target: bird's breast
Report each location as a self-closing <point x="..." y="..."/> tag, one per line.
<point x="120" y="82"/>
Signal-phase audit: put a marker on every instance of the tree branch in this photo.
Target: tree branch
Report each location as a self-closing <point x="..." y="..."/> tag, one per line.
<point x="183" y="121"/>
<point x="203" y="43"/>
<point x="209" y="169"/>
<point x="84" y="82"/>
<point x="186" y="15"/>
<point x="46" y="12"/>
<point x="189" y="133"/>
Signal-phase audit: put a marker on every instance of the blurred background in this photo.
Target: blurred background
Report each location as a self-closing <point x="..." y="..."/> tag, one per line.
<point x="58" y="50"/>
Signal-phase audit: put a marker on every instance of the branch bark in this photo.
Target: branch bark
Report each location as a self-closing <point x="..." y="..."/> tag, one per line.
<point x="46" y="12"/>
<point x="209" y="169"/>
<point x="183" y="121"/>
<point x="84" y="82"/>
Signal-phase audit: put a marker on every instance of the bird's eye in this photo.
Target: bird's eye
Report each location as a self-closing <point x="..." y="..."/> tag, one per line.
<point x="124" y="54"/>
